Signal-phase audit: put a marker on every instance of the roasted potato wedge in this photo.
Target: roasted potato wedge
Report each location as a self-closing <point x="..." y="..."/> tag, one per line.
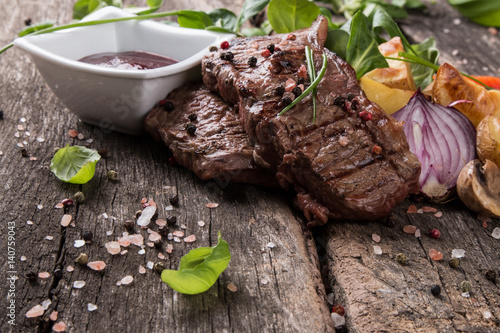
<point x="398" y="75"/>
<point x="450" y="86"/>
<point x="389" y="99"/>
<point x="488" y="139"/>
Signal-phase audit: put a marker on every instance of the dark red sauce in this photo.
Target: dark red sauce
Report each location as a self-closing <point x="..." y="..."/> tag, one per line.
<point x="134" y="60"/>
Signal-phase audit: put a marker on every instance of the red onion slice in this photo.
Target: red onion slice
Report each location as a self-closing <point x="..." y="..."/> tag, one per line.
<point x="442" y="138"/>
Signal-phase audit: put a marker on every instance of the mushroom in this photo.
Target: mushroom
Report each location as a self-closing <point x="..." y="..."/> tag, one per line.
<point x="478" y="187"/>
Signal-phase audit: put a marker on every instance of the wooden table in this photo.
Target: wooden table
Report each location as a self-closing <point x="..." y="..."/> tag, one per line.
<point x="283" y="272"/>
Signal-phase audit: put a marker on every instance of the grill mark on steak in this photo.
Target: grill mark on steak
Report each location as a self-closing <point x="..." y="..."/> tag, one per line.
<point x="337" y="179"/>
<point x="219" y="148"/>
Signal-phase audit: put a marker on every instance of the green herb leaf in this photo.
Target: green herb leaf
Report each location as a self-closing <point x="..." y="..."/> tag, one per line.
<point x="485" y="12"/>
<point x="290" y="15"/>
<point x="336" y="41"/>
<point x="362" y="50"/>
<point x="427" y="51"/>
<point x="36" y="27"/>
<point x="75" y="165"/>
<point x="249" y="9"/>
<point x="224" y="18"/>
<point x="82" y="8"/>
<point x="194" y="19"/>
<point x="199" y="269"/>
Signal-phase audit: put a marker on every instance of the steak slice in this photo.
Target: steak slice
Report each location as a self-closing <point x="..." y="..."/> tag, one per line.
<point x="352" y="162"/>
<point x="205" y="135"/>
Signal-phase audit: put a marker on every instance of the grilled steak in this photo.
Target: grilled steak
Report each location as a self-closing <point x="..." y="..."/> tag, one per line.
<point x="352" y="162"/>
<point x="205" y="135"/>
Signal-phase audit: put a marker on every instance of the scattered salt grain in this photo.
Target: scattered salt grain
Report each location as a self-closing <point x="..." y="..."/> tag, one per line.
<point x="201" y="223"/>
<point x="466" y="294"/>
<point x="150" y="244"/>
<point x="420" y="211"/>
<point x="338" y="320"/>
<point x="40" y="206"/>
<point x="29" y="222"/>
<point x="124" y="252"/>
<point x="375" y="238"/>
<point x="17" y="134"/>
<point x="40" y="139"/>
<point x="178" y="233"/>
<point x="409" y="229"/>
<point x="113" y="247"/>
<point x="457" y="21"/>
<point x="161" y="222"/>
<point x="147" y="214"/>
<point x="270" y="245"/>
<point x="458" y="253"/>
<point x="142" y="269"/>
<point x="127" y="280"/>
<point x="43" y="275"/>
<point x="35" y="311"/>
<point x="46" y="304"/>
<point x="79" y="243"/>
<point x="59" y="327"/>
<point x="212" y="205"/>
<point x="22" y="119"/>
<point x="427" y="209"/>
<point x="418" y="233"/>
<point x="89" y="140"/>
<point x="23" y="258"/>
<point x="20" y="145"/>
<point x="170" y="236"/>
<point x="232" y="287"/>
<point x="169" y="248"/>
<point x="33" y="158"/>
<point x="161" y="256"/>
<point x="496" y="233"/>
<point x="154" y="236"/>
<point x="412" y="209"/>
<point x="141" y="251"/>
<point x="109" y="233"/>
<point x="73" y="133"/>
<point x="264" y="281"/>
<point x="377" y="249"/>
<point x="487" y="315"/>
<point x="105" y="215"/>
<point x="169" y="207"/>
<point x="97" y="265"/>
<point x="70" y="269"/>
<point x="177" y="239"/>
<point x="438" y="214"/>
<point x="330" y="298"/>
<point x="183" y="226"/>
<point x="78" y="284"/>
<point x="435" y="254"/>
<point x="150" y="264"/>
<point x="53" y="315"/>
<point x="20" y="127"/>
<point x="59" y="205"/>
<point x="66" y="220"/>
<point x="446" y="30"/>
<point x="27" y="133"/>
<point x="91" y="307"/>
<point x="81" y="136"/>
<point x="190" y="239"/>
<point x="49" y="237"/>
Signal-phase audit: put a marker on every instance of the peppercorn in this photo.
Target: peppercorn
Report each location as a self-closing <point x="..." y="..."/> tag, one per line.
<point x="377" y="150"/>
<point x="112" y="175"/>
<point x="1" y="114"/>
<point x="454" y="262"/>
<point x="67" y="202"/>
<point x="338" y="309"/>
<point x="291" y="37"/>
<point x="192" y="117"/>
<point x="252" y="61"/>
<point x="339" y="101"/>
<point x="79" y="196"/>
<point x="491" y="275"/>
<point x="103" y="152"/>
<point x="138" y="213"/>
<point x="213" y="48"/>
<point x="436" y="290"/>
<point x="191" y="128"/>
<point x="280" y="90"/>
<point x="25" y="152"/>
<point x="129" y="225"/>
<point x="171" y="220"/>
<point x="402" y="258"/>
<point x="168" y="106"/>
<point x="297" y="91"/>
<point x="270" y="47"/>
<point x="228" y="56"/>
<point x="265" y="53"/>
<point x="87" y="236"/>
<point x="159" y="267"/>
<point x="31" y="277"/>
<point x="286" y="101"/>
<point x="163" y="230"/>
<point x="174" y="200"/>
<point x="465" y="286"/>
<point x="434" y="233"/>
<point x="28" y="21"/>
<point x="58" y="274"/>
<point x="158" y="244"/>
<point x="224" y="45"/>
<point x="82" y="259"/>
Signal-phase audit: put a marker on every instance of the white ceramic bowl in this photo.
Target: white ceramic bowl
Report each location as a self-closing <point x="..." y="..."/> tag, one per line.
<point x="117" y="99"/>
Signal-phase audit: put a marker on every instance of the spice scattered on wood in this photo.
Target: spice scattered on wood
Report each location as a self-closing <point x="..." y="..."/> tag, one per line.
<point x="409" y="229"/>
<point x="212" y="205"/>
<point x="53" y="316"/>
<point x="79" y="243"/>
<point x="232" y="287"/>
<point x="142" y="269"/>
<point x="458" y="253"/>
<point x="66" y="220"/>
<point x="35" y="311"/>
<point x="73" y="133"/>
<point x="377" y="249"/>
<point x="454" y="262"/>
<point x="97" y="265"/>
<point x="82" y="259"/>
<point x="59" y="327"/>
<point x="113" y="247"/>
<point x="190" y="239"/>
<point x="376" y="238"/>
<point x="78" y="284"/>
<point x="436" y="290"/>
<point x="91" y="307"/>
<point x="435" y="254"/>
<point x="43" y="275"/>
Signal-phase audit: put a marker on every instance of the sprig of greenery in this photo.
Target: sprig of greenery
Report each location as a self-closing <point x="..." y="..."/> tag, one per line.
<point x="312" y="76"/>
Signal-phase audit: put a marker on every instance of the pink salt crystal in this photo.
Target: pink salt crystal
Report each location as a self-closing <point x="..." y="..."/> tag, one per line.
<point x="35" y="311"/>
<point x="70" y="268"/>
<point x="150" y="244"/>
<point x="81" y="136"/>
<point x="53" y="316"/>
<point x="420" y="211"/>
<point x="78" y="284"/>
<point x="375" y="238"/>
<point x="66" y="220"/>
<point x="169" y="248"/>
<point x="438" y="214"/>
<point x="127" y="280"/>
<point x="213" y="204"/>
<point x="427" y="209"/>
<point x="343" y="140"/>
<point x="113" y="247"/>
<point x="154" y="236"/>
<point x="412" y="209"/>
<point x="59" y="205"/>
<point x="178" y="233"/>
<point x="124" y="241"/>
<point x="136" y="239"/>
<point x="73" y="133"/>
<point x="33" y="158"/>
<point x="49" y="237"/>
<point x="232" y="287"/>
<point x="435" y="254"/>
<point x="142" y="270"/>
<point x="161" y="222"/>
<point x="59" y="327"/>
<point x="290" y="84"/>
<point x="190" y="239"/>
<point x="97" y="265"/>
<point x="151" y="203"/>
<point x="124" y="252"/>
<point x="418" y="233"/>
<point x="144" y="200"/>
<point x="377" y="249"/>
<point x="43" y="275"/>
<point x="409" y="229"/>
<point x="161" y="256"/>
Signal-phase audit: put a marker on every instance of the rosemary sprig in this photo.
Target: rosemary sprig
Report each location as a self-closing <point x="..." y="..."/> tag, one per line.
<point x="309" y="89"/>
<point x="312" y="76"/>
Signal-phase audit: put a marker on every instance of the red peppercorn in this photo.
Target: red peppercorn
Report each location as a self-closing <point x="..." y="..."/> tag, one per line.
<point x="224" y="45"/>
<point x="339" y="309"/>
<point x="162" y="102"/>
<point x="377" y="150"/>
<point x="67" y="202"/>
<point x="291" y="37"/>
<point x="265" y="53"/>
<point x="365" y="115"/>
<point x="434" y="233"/>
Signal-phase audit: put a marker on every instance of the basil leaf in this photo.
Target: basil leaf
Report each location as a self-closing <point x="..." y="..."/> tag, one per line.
<point x="336" y="41"/>
<point x="249" y="9"/>
<point x="194" y="19"/>
<point x="35" y="27"/>
<point x="362" y="49"/>
<point x="290" y="15"/>
<point x="75" y="165"/>
<point x="224" y="18"/>
<point x="199" y="269"/>
<point x="381" y="20"/>
<point x="426" y="50"/>
<point x="82" y="8"/>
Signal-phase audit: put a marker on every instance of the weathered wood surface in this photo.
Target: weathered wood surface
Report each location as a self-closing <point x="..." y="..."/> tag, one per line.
<point x="279" y="289"/>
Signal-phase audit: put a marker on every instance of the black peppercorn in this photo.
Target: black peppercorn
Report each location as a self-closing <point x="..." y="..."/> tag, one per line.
<point x="252" y="61"/>
<point x="103" y="152"/>
<point x="297" y="91"/>
<point x="163" y="230"/>
<point x="286" y="101"/>
<point x="270" y="47"/>
<point x="171" y="220"/>
<point x="1" y="114"/>
<point x="25" y="153"/>
<point x="191" y="128"/>
<point x="228" y="56"/>
<point x="87" y="236"/>
<point x="129" y="225"/>
<point x="112" y="175"/>
<point x="31" y="277"/>
<point x="192" y="117"/>
<point x="213" y="48"/>
<point x="168" y="106"/>
<point x="436" y="290"/>
<point x="491" y="275"/>
<point x="28" y="21"/>
<point x="280" y="90"/>
<point x="174" y="200"/>
<point x="339" y="101"/>
<point x="58" y="274"/>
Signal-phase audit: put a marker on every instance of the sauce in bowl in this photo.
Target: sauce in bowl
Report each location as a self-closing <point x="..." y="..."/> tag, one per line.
<point x="133" y="60"/>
